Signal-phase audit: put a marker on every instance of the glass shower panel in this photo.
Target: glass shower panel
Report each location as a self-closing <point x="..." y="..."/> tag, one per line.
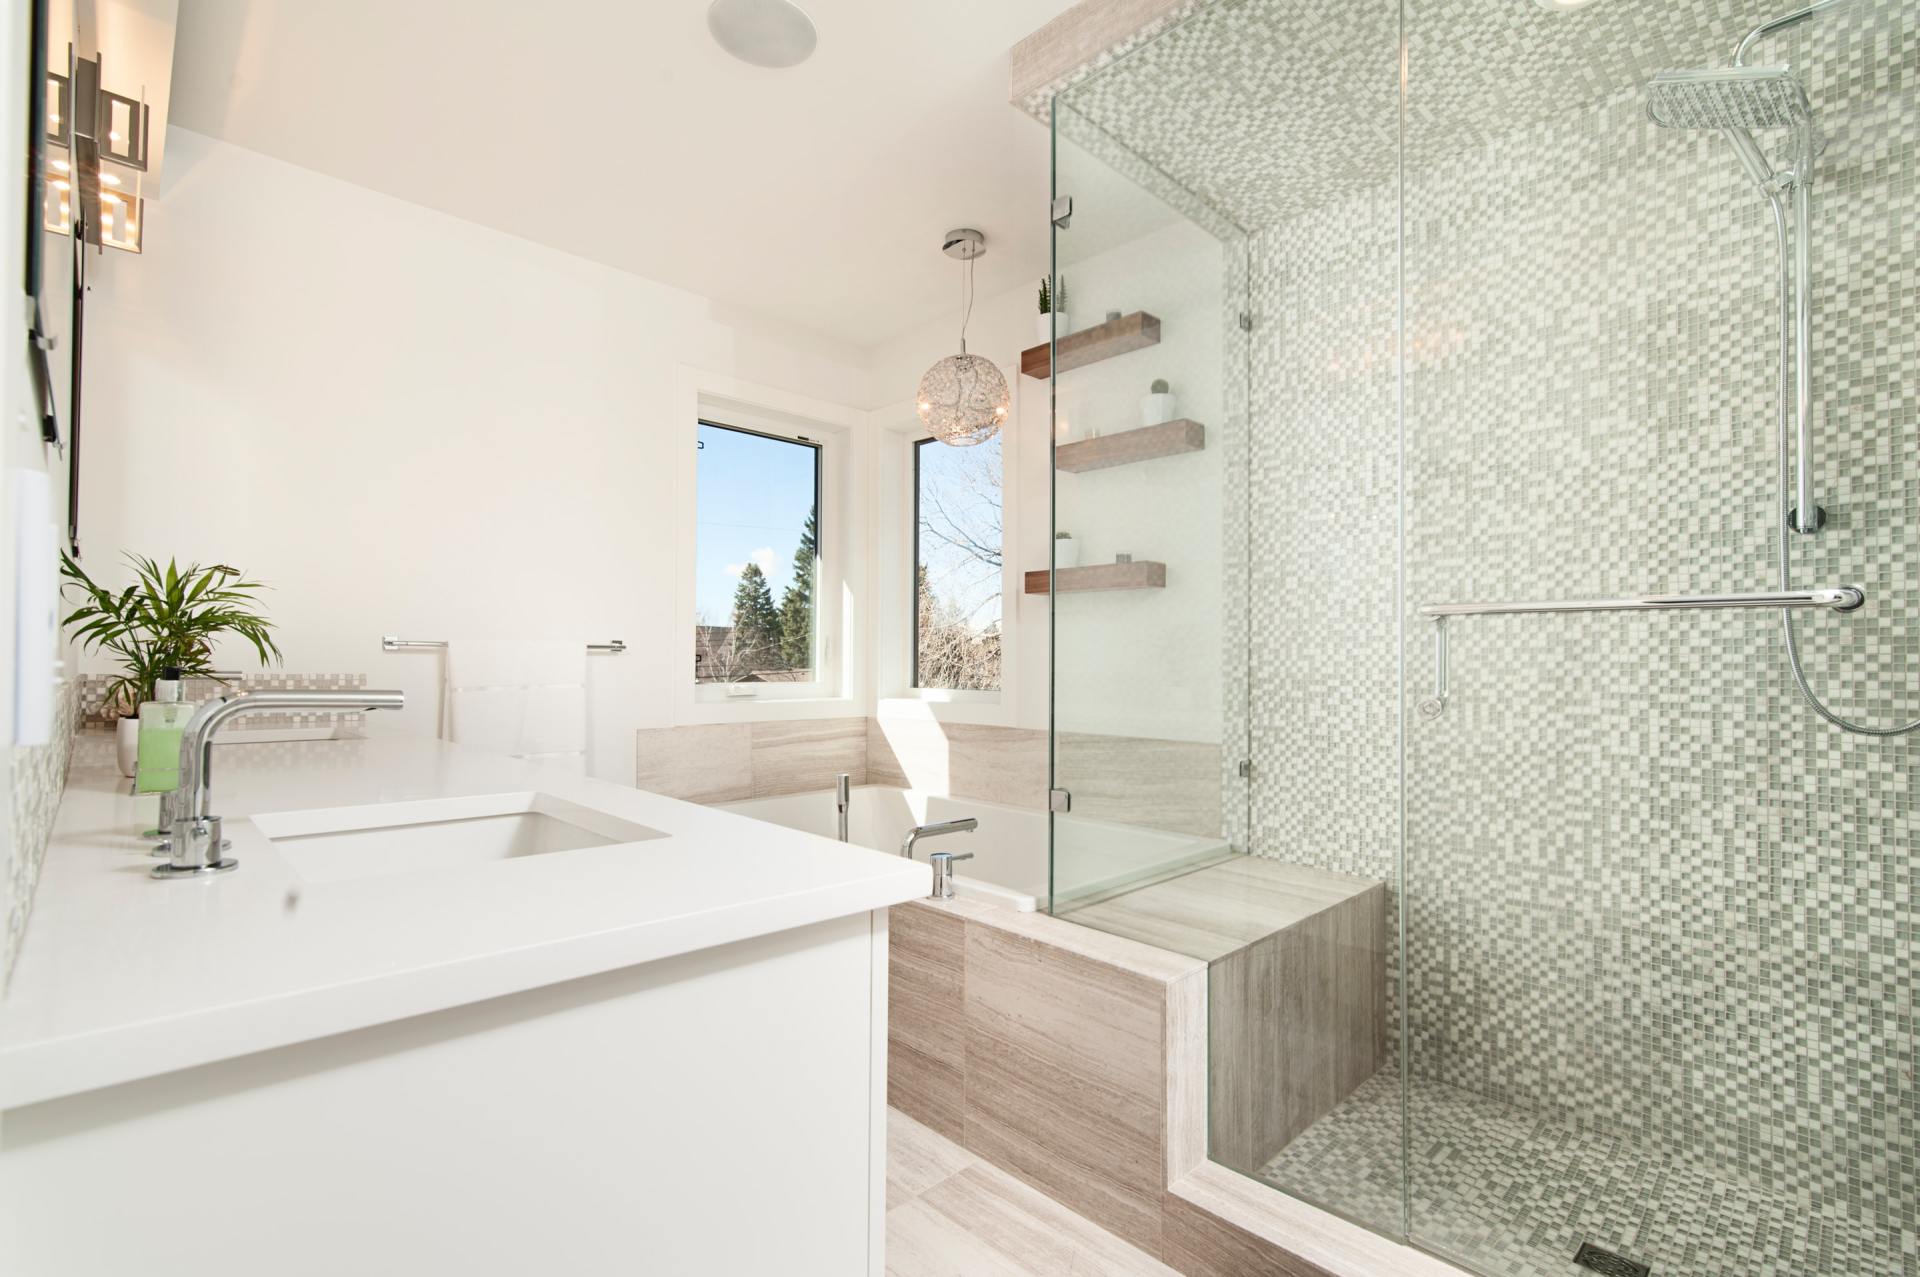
<point x="1659" y="924"/>
<point x="1305" y="1032"/>
<point x="1237" y="175"/>
<point x="1146" y="372"/>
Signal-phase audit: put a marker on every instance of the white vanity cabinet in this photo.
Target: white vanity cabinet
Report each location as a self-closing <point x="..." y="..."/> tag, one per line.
<point x="667" y="1063"/>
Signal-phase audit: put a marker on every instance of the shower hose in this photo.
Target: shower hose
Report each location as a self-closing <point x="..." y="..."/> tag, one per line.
<point x="1787" y="321"/>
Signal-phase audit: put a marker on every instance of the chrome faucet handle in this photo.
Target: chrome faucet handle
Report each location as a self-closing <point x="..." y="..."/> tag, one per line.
<point x="942" y="862"/>
<point x="198" y="849"/>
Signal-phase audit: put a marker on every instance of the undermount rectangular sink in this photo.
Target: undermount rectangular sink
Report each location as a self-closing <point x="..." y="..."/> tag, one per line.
<point x="438" y="834"/>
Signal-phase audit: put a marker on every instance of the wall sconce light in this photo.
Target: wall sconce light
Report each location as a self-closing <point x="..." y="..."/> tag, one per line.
<point x="96" y="159"/>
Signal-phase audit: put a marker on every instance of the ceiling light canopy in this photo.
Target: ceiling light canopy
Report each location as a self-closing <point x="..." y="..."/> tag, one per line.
<point x="963" y="399"/>
<point x="765" y="33"/>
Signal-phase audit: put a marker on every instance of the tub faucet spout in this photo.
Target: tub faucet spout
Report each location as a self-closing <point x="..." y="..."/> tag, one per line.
<point x="965" y="825"/>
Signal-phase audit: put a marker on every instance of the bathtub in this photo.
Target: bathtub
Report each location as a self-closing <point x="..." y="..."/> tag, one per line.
<point x="1010" y="847"/>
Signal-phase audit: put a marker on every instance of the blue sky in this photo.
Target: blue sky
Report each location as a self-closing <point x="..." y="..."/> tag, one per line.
<point x="755" y="494"/>
<point x="754" y="497"/>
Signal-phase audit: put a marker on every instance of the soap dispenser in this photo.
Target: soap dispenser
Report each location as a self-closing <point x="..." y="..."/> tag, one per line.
<point x="163" y="722"/>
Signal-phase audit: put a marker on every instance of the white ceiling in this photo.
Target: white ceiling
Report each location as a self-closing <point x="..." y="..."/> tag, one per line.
<point x="617" y="130"/>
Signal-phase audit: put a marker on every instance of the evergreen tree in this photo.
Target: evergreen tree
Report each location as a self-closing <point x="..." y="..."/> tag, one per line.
<point x="756" y="622"/>
<point x="796" y="606"/>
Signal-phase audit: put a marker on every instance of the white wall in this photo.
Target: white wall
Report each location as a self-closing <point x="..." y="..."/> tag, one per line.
<point x="410" y="424"/>
<point x="407" y="423"/>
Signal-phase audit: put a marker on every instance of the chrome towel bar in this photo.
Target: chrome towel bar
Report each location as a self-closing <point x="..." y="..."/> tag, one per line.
<point x="1845" y="598"/>
<point x="390" y="643"/>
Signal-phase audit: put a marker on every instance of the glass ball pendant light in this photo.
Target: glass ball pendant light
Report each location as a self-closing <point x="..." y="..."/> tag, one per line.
<point x="963" y="398"/>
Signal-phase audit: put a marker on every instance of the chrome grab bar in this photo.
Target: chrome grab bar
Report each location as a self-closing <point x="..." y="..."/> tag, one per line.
<point x="389" y="643"/>
<point x="1845" y="598"/>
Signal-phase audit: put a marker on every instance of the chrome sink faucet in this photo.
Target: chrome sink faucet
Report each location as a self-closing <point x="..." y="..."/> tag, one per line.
<point x="196" y="847"/>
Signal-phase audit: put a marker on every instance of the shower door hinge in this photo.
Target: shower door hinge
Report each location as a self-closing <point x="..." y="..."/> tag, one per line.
<point x="1059" y="800"/>
<point x="1246" y="769"/>
<point x="1063" y="211"/>
<point x="1246" y="321"/>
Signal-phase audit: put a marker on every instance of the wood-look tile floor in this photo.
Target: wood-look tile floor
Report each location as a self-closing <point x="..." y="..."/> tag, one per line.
<point x="950" y="1214"/>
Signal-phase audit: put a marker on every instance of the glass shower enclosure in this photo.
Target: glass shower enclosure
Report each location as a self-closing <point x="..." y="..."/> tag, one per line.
<point x="1422" y="653"/>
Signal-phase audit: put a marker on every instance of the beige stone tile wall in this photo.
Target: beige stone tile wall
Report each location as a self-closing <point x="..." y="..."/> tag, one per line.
<point x="1154" y="784"/>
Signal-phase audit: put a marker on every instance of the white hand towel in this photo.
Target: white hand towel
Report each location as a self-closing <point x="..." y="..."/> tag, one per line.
<point x="527" y="698"/>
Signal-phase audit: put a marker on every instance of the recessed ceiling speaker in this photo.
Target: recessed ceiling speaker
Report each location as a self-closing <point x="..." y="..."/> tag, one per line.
<point x="764" y="33"/>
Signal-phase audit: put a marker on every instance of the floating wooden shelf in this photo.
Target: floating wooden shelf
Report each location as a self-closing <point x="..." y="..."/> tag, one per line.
<point x="1142" y="574"/>
<point x="1167" y="439"/>
<point x="1090" y="345"/>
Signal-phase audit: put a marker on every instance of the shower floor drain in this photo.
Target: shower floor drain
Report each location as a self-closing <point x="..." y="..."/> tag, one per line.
<point x="1605" y="1261"/>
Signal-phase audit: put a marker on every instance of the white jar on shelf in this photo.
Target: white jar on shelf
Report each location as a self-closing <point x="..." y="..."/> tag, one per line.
<point x="1157" y="405"/>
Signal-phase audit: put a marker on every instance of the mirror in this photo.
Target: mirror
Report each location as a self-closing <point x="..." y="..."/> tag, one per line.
<point x="54" y="257"/>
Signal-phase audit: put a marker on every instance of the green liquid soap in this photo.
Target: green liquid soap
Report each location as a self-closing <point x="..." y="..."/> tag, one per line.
<point x="163" y="722"/>
<point x="158" y="768"/>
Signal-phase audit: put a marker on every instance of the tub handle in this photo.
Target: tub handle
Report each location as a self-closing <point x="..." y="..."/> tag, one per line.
<point x="942" y="862"/>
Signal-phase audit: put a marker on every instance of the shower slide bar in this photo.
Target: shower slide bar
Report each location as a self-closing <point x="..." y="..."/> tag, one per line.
<point x="389" y="643"/>
<point x="1845" y="598"/>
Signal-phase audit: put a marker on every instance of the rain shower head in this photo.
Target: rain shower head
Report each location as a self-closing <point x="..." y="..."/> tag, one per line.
<point x="1737" y="101"/>
<point x="1747" y="98"/>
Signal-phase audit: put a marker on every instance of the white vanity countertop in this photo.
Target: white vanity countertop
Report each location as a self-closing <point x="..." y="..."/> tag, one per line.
<point x="123" y="977"/>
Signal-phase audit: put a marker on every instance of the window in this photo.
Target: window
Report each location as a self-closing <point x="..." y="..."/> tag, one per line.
<point x="756" y="561"/>
<point x="956" y="565"/>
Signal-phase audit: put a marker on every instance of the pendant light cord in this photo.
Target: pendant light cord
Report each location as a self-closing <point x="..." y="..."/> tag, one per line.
<point x="966" y="304"/>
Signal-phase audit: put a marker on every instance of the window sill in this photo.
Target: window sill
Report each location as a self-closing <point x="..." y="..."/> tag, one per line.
<point x="987" y="709"/>
<point x="693" y="713"/>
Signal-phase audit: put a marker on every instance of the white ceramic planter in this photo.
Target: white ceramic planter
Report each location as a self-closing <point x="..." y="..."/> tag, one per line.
<point x="1043" y="325"/>
<point x="126" y="742"/>
<point x="1066" y="552"/>
<point x="1155" y="409"/>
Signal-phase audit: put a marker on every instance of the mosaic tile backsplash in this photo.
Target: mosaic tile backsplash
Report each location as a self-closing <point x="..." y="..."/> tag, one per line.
<point x="97" y="713"/>
<point x="39" y="776"/>
<point x="1648" y="891"/>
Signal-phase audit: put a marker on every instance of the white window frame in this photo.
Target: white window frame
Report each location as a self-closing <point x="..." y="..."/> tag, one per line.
<point x="897" y="431"/>
<point x="837" y="431"/>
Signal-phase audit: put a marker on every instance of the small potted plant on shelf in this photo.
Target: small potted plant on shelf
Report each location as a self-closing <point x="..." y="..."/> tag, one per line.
<point x="1066" y="551"/>
<point x="169" y="616"/>
<point x="1053" y="308"/>
<point x="1157" y="405"/>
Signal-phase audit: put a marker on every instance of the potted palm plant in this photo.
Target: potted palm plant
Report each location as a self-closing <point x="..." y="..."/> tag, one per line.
<point x="169" y="617"/>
